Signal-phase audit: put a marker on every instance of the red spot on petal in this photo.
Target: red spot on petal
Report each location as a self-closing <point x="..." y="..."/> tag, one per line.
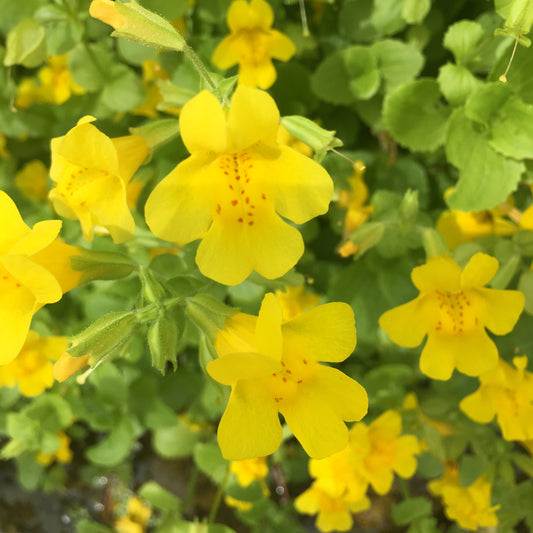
<point x="299" y="381"/>
<point x="237" y="177"/>
<point x="219" y="209"/>
<point x="247" y="200"/>
<point x="251" y="223"/>
<point x="263" y="196"/>
<point x="284" y="379"/>
<point x="239" y="220"/>
<point x="231" y="187"/>
<point x="234" y="202"/>
<point x="304" y="361"/>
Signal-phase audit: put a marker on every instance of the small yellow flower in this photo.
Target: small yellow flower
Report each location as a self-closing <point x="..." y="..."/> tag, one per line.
<point x="235" y="187"/>
<point x="55" y="85"/>
<point x="506" y="393"/>
<point x="32" y="368"/>
<point x="253" y="43"/>
<point x="136" y="519"/>
<point x="355" y="199"/>
<point x="106" y="11"/>
<point x="152" y="71"/>
<point x="31" y="180"/>
<point x="91" y="173"/>
<point x="273" y="367"/>
<point x="334" y="513"/>
<point x="468" y="506"/>
<point x="34" y="271"/>
<point x="453" y="310"/>
<point x="62" y="455"/>
<point x="296" y="300"/>
<point x="249" y="470"/>
<point x="66" y="366"/>
<point x="241" y="505"/>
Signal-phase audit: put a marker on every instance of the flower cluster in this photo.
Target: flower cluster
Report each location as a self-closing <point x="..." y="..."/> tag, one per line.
<point x="374" y="453"/>
<point x="273" y="367"/>
<point x="469" y="506"/>
<point x="453" y="310"/>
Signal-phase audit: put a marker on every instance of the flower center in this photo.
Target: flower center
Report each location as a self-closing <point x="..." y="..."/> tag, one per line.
<point x="456" y="313"/>
<point x="74" y="179"/>
<point x="254" y="48"/>
<point x="284" y="385"/>
<point x="241" y="198"/>
<point x="7" y="281"/>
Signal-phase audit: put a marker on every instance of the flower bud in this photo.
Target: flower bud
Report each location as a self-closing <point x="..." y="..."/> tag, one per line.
<point x="163" y="342"/>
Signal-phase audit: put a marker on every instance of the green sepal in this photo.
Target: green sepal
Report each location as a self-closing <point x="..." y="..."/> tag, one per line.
<point x="156" y="133"/>
<point x="101" y="265"/>
<point x="163" y="342"/>
<point x="209" y="314"/>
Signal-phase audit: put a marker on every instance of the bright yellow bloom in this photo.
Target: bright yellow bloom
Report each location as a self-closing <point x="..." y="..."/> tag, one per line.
<point x="273" y="367"/>
<point x="66" y="366"/>
<point x="253" y="43"/>
<point x="506" y="393"/>
<point x="31" y="180"/>
<point x="235" y="187"/>
<point x="249" y="470"/>
<point x="458" y="227"/>
<point x="468" y="506"/>
<point x="106" y="11"/>
<point x="136" y="519"/>
<point x="34" y="271"/>
<point x="453" y="310"/>
<point x="55" y="85"/>
<point x="32" y="368"/>
<point x="295" y="301"/>
<point x="62" y="455"/>
<point x="334" y="513"/>
<point x="91" y="172"/>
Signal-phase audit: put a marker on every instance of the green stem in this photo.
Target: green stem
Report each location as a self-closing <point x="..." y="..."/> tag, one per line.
<point x="404" y="488"/>
<point x="218" y="499"/>
<point x="191" y="486"/>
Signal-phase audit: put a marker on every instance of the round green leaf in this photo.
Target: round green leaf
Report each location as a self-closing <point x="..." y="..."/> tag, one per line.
<point x="462" y="38"/>
<point x="416" y="116"/>
<point x="456" y="83"/>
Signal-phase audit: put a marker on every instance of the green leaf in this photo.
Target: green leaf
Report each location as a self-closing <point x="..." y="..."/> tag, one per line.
<point x="52" y="412"/>
<point x="159" y="497"/>
<point x="512" y="129"/>
<point x="25" y="44"/>
<point x="470" y="468"/>
<point x="209" y="460"/>
<point x="485" y="101"/>
<point x="124" y="91"/>
<point x="115" y="447"/>
<point x="407" y="511"/>
<point x="90" y="65"/>
<point x="29" y="471"/>
<point x="398" y="62"/>
<point x="88" y="526"/>
<point x="462" y="38"/>
<point x="158" y="132"/>
<point x="415" y="115"/>
<point x="347" y="75"/>
<point x="486" y="178"/>
<point x="15" y="12"/>
<point x="354" y="21"/>
<point x="387" y="17"/>
<point x="415" y="11"/>
<point x="525" y="285"/>
<point x="175" y="441"/>
<point x="456" y="83"/>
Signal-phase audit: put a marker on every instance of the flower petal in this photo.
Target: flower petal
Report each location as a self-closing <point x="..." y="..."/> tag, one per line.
<point x="86" y="146"/>
<point x="132" y="150"/>
<point x="437" y="359"/>
<point x="244" y="15"/>
<point x="347" y="398"/>
<point x="479" y="406"/>
<point x="407" y="324"/>
<point x="502" y="309"/>
<point x="226" y="54"/>
<point x="13" y="227"/>
<point x="476" y="353"/>
<point x="237" y="366"/>
<point x="180" y="207"/>
<point x="252" y="117"/>
<point x="479" y="271"/>
<point x="203" y="124"/>
<point x="267" y="338"/>
<point x="42" y="234"/>
<point x="280" y="46"/>
<point x="325" y="333"/>
<point x="237" y="335"/>
<point x="42" y="284"/>
<point x="262" y="75"/>
<point x="313" y="422"/>
<point x="250" y="426"/>
<point x="439" y="273"/>
<point x="17" y="306"/>
<point x="302" y="188"/>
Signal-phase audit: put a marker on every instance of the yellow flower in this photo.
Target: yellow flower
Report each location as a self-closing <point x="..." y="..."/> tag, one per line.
<point x="334" y="513"/>
<point x="136" y="518"/>
<point x="284" y="137"/>
<point x="507" y="394"/>
<point x="241" y="505"/>
<point x="55" y="85"/>
<point x="235" y="187"/>
<point x="468" y="506"/>
<point x="32" y="368"/>
<point x="91" y="172"/>
<point x="274" y="367"/>
<point x="253" y="43"/>
<point x="152" y="71"/>
<point x="295" y="301"/>
<point x="249" y="470"/>
<point x="62" y="455"/>
<point x="355" y="200"/>
<point x="34" y="270"/>
<point x="31" y="180"/>
<point x="453" y="310"/>
<point x="458" y="227"/>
